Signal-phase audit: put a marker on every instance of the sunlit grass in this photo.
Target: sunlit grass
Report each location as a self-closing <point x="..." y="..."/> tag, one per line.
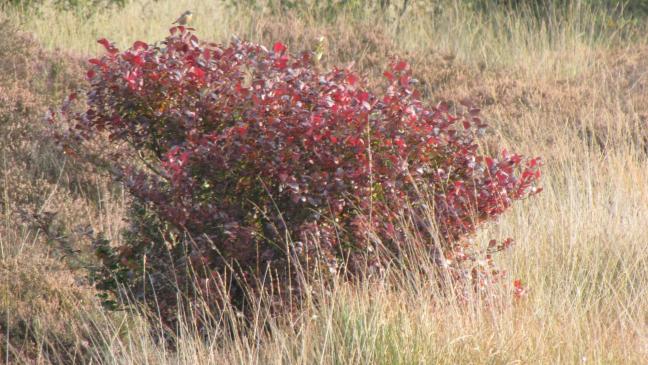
<point x="77" y="31"/>
<point x="564" y="44"/>
<point x="565" y="90"/>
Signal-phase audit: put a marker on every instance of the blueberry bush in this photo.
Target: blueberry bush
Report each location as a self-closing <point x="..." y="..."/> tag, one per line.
<point x="253" y="168"/>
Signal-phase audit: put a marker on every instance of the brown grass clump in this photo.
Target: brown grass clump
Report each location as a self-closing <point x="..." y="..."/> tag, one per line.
<point x="45" y="206"/>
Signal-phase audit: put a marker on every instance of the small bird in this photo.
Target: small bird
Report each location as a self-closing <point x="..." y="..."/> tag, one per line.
<point x="185" y="18"/>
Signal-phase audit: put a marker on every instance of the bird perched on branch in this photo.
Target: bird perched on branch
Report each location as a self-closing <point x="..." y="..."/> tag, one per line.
<point x="185" y="18"/>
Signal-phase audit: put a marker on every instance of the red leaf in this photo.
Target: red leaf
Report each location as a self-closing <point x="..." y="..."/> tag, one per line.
<point x="104" y="42"/>
<point x="404" y="81"/>
<point x="198" y="72"/>
<point x="400" y="66"/>
<point x="206" y="54"/>
<point x="194" y="41"/>
<point x="108" y="46"/>
<point x="138" y="60"/>
<point x="518" y="289"/>
<point x="140" y="45"/>
<point x="533" y="162"/>
<point x="352" y="79"/>
<point x="279" y="47"/>
<point x="489" y="162"/>
<point x="242" y="130"/>
<point x="281" y="62"/>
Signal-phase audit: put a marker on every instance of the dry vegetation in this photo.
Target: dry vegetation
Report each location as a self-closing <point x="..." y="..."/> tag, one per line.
<point x="561" y="89"/>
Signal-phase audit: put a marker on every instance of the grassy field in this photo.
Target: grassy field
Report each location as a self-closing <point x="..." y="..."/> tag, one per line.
<point x="570" y="86"/>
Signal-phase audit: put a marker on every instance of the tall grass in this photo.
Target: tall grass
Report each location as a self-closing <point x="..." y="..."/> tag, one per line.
<point x="564" y="42"/>
<point x="571" y="88"/>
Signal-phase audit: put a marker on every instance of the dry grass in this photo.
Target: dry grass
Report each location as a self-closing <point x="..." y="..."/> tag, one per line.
<point x="562" y="90"/>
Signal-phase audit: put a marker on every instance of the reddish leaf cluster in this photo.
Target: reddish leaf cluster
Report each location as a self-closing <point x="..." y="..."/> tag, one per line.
<point x="241" y="147"/>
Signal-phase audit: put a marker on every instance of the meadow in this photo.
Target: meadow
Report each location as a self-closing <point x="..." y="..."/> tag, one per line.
<point x="569" y="84"/>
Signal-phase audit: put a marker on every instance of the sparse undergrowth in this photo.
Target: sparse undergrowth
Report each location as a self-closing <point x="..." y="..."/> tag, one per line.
<point x="39" y="292"/>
